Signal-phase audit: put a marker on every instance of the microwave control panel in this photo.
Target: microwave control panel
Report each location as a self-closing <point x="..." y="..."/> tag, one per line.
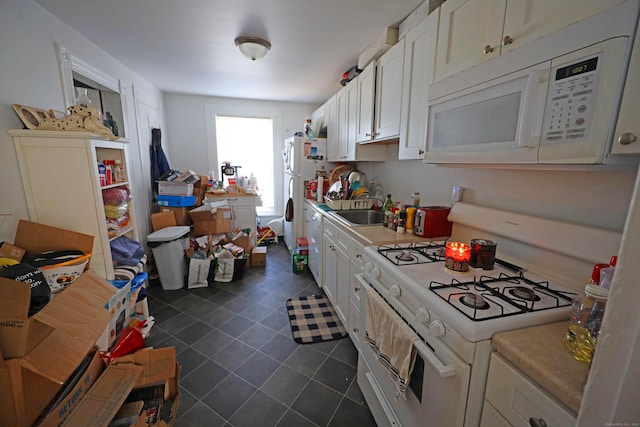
<point x="571" y="101"/>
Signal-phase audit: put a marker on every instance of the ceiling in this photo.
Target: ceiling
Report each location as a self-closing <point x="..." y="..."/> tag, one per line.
<point x="187" y="46"/>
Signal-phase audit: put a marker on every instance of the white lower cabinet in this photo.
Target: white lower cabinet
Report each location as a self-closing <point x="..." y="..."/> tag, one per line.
<point x="513" y="399"/>
<point x="337" y="270"/>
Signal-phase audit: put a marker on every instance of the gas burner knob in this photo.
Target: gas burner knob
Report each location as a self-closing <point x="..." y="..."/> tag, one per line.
<point x="394" y="291"/>
<point x="422" y="315"/>
<point x="436" y="328"/>
<point x="375" y="273"/>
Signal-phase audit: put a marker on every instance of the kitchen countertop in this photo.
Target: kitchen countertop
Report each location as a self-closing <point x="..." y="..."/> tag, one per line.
<point x="370" y="235"/>
<point x="539" y="352"/>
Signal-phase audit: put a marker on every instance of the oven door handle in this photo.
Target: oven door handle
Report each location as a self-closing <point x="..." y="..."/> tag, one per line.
<point x="426" y="353"/>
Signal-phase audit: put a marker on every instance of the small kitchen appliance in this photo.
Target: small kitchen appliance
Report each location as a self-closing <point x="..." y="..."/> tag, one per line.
<point x="431" y="221"/>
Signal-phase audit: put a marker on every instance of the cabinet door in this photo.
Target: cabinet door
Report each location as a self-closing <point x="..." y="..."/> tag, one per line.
<point x="389" y="92"/>
<point x="343" y="285"/>
<point x="330" y="269"/>
<point x="342" y="113"/>
<point x="419" y="60"/>
<point x="466" y="28"/>
<point x="366" y="97"/>
<point x="626" y="139"/>
<point x="332" y="130"/>
<point x="351" y="100"/>
<point x="527" y="20"/>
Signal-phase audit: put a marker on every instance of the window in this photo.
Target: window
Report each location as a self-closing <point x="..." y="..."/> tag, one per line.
<point x="248" y="142"/>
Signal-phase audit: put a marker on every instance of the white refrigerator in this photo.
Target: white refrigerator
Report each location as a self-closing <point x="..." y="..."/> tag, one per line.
<point x="302" y="158"/>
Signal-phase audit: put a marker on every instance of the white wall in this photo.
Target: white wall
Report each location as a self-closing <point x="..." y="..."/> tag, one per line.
<point x="188" y="134"/>
<point x="30" y="76"/>
<point x="595" y="198"/>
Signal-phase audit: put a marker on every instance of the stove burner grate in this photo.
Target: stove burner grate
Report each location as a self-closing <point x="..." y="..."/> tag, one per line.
<point x="418" y="252"/>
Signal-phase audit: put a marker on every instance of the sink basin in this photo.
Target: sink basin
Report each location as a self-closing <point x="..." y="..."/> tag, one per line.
<point x="360" y="217"/>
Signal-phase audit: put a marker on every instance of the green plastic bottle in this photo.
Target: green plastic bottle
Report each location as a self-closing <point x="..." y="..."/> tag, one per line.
<point x="386" y="208"/>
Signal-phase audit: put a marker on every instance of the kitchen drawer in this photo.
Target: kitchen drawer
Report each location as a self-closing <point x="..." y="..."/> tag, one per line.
<point x="518" y="398"/>
<point x="491" y="417"/>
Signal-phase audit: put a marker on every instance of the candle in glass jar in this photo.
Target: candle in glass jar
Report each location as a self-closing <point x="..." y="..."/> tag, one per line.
<point x="457" y="256"/>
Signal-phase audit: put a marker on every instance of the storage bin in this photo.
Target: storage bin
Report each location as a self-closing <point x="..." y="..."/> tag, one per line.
<point x="299" y="261"/>
<point x="168" y="246"/>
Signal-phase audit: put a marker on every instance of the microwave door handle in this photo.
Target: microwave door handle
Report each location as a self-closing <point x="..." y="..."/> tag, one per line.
<point x="533" y="107"/>
<point x="428" y="355"/>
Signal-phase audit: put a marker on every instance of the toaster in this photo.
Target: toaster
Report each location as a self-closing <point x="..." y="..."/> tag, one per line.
<point x="431" y="221"/>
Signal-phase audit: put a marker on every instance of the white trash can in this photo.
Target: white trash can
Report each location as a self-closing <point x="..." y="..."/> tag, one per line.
<point x="168" y="246"/>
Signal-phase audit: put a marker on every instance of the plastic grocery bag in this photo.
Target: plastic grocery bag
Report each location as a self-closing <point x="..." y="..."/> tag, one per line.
<point x="199" y="272"/>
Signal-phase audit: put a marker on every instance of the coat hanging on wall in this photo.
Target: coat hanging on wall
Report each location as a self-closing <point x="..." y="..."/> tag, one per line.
<point x="159" y="164"/>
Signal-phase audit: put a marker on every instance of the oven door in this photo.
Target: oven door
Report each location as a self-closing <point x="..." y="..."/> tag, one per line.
<point x="437" y="393"/>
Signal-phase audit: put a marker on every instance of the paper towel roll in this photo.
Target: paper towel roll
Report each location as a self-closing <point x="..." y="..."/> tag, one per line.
<point x="320" y="189"/>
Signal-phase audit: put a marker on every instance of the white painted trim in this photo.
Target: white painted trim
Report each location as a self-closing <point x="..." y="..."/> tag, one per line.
<point x="611" y="393"/>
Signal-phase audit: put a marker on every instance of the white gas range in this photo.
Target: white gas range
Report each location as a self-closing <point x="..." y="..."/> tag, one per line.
<point x="455" y="314"/>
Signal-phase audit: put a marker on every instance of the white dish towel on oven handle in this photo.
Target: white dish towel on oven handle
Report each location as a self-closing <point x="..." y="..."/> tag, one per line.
<point x="392" y="340"/>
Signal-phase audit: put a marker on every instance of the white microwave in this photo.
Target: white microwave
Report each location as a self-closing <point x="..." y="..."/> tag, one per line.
<point x="553" y="101"/>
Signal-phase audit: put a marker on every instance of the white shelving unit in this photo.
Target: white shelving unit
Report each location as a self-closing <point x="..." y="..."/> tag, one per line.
<point x="62" y="186"/>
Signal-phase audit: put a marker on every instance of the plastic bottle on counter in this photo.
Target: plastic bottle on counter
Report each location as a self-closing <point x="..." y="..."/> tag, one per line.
<point x="587" y="312"/>
<point x="415" y="199"/>
<point x="411" y="214"/>
<point x="386" y="208"/>
<point x="320" y="189"/>
<point x="402" y="221"/>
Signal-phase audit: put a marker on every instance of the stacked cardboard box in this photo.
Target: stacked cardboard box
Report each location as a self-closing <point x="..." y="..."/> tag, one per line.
<point x="39" y="353"/>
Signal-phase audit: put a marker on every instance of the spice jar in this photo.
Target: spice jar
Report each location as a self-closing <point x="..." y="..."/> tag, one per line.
<point x="402" y="220"/>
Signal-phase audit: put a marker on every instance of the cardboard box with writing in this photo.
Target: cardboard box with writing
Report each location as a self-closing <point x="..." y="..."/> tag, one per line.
<point x="39" y="353"/>
<point x="72" y="393"/>
<point x="119" y="307"/>
<point x="205" y="222"/>
<point x="19" y="333"/>
<point x="124" y="379"/>
<point x="200" y="189"/>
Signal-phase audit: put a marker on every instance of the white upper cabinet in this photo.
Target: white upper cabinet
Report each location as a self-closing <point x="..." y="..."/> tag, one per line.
<point x="389" y="92"/>
<point x="332" y="129"/>
<point x="474" y="31"/>
<point x="366" y="82"/>
<point x="380" y="97"/>
<point x="419" y="60"/>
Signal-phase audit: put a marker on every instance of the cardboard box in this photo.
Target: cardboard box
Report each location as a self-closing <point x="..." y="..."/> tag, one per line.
<point x="200" y="189"/>
<point x="159" y="364"/>
<point x="37" y="238"/>
<point x="205" y="222"/>
<point x="176" y="201"/>
<point x="181" y="214"/>
<point x="78" y="311"/>
<point x="9" y="251"/>
<point x="259" y="256"/>
<point x="68" y="400"/>
<point x="106" y="397"/>
<point x="162" y="220"/>
<point x="173" y="188"/>
<point x="119" y="307"/>
<point x="246" y="242"/>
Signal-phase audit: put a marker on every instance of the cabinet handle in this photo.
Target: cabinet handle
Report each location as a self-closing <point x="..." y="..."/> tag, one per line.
<point x="627" y="138"/>
<point x="507" y="40"/>
<point x="487" y="49"/>
<point x="420" y="152"/>
<point x="356" y="288"/>
<point x="356" y="330"/>
<point x="368" y="134"/>
<point x="537" y="422"/>
<point x="358" y="256"/>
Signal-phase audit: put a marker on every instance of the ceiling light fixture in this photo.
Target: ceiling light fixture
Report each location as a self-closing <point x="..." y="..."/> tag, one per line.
<point x="253" y="47"/>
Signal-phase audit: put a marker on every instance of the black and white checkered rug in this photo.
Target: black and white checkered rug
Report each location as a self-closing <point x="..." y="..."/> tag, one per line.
<point x="313" y="319"/>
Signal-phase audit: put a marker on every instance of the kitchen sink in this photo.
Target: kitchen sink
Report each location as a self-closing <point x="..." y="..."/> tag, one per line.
<point x="359" y="217"/>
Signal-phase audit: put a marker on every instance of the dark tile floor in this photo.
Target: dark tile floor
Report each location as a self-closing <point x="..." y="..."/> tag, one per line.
<point x="240" y="366"/>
